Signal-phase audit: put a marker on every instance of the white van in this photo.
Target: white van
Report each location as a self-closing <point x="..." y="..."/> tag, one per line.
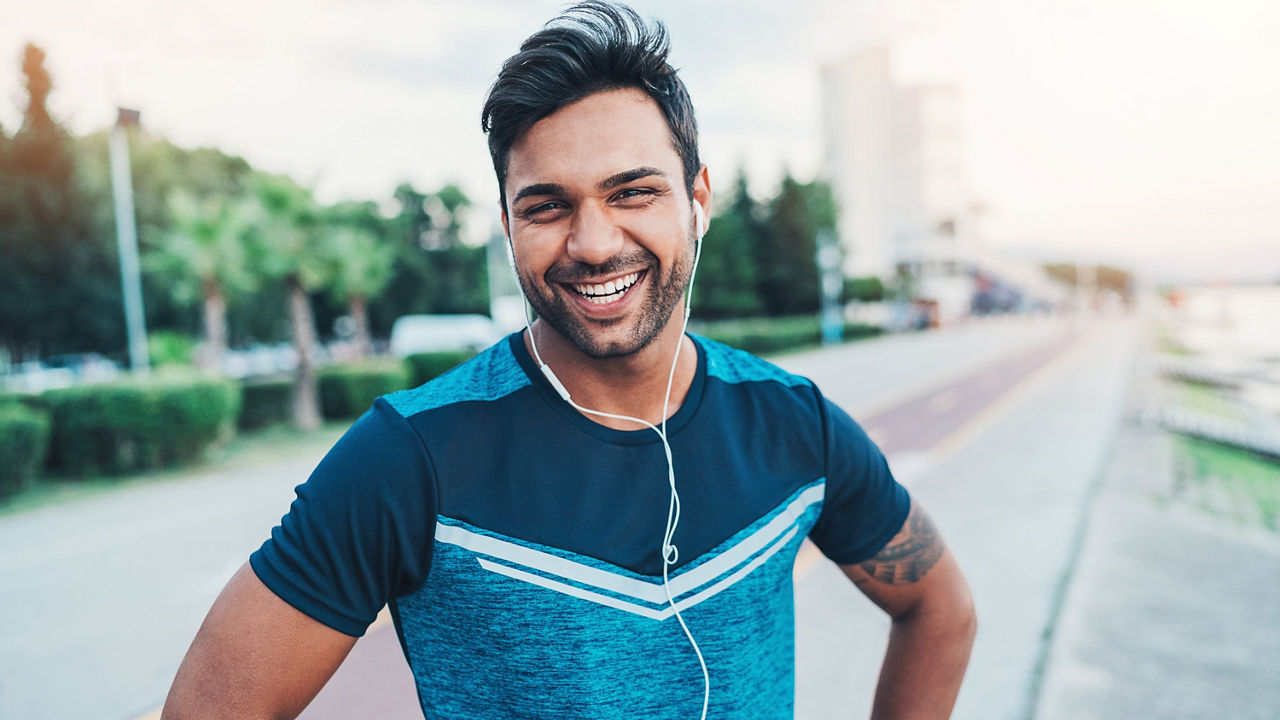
<point x="435" y="333"/>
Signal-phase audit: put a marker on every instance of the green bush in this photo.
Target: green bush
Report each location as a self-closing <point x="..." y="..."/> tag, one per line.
<point x="13" y="398"/>
<point x="764" y="335"/>
<point x="24" y="441"/>
<point x="167" y="348"/>
<point x="863" y="289"/>
<point x="858" y="331"/>
<point x="425" y="366"/>
<point x="265" y="401"/>
<point x="775" y="335"/>
<point x="346" y="391"/>
<point x="138" y="424"/>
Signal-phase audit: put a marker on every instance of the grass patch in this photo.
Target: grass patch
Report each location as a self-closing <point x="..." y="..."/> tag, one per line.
<point x="1229" y="482"/>
<point x="1208" y="400"/>
<point x="244" y="450"/>
<point x="1167" y="343"/>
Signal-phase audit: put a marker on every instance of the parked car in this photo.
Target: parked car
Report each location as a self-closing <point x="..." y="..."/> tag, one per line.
<point x="34" y="378"/>
<point x="436" y="333"/>
<point x="86" y="367"/>
<point x="58" y="371"/>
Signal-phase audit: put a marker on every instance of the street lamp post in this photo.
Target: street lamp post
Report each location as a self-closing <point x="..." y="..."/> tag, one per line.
<point x="127" y="233"/>
<point x="832" y="282"/>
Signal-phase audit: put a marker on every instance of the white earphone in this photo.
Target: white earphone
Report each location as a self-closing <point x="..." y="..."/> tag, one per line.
<point x="670" y="554"/>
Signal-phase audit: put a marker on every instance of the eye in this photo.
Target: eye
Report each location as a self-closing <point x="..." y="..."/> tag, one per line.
<point x="543" y="211"/>
<point x="633" y="196"/>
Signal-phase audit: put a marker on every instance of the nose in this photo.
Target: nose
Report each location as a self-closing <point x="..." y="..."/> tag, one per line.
<point x="593" y="237"/>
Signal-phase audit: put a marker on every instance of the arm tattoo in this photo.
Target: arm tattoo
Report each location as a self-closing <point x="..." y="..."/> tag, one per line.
<point x="910" y="554"/>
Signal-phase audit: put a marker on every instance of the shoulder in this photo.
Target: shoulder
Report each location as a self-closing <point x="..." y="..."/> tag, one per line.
<point x="491" y="375"/>
<point x="731" y="365"/>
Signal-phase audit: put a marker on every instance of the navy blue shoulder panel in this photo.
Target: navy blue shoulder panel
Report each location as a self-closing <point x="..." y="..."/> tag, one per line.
<point x="864" y="506"/>
<point x="359" y="532"/>
<point x="521" y="465"/>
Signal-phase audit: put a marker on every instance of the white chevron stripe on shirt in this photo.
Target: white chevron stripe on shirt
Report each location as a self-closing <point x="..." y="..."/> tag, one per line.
<point x="645" y="591"/>
<point x="651" y="613"/>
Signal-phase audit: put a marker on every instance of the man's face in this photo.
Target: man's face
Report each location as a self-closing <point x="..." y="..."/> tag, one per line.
<point x="600" y="221"/>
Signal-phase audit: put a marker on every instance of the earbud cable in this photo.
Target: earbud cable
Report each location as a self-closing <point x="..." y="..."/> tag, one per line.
<point x="670" y="553"/>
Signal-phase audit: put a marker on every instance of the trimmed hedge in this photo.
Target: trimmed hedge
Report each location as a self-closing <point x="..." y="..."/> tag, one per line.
<point x="858" y="331"/>
<point x="346" y="391"/>
<point x="264" y="401"/>
<point x="425" y="366"/>
<point x="138" y="424"/>
<point x="24" y="442"/>
<point x="775" y="335"/>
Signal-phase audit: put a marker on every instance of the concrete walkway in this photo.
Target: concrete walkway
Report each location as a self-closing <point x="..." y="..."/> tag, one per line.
<point x="1170" y="614"/>
<point x="104" y="594"/>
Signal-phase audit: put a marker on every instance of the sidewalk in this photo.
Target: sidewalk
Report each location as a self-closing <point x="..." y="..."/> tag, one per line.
<point x="1170" y="613"/>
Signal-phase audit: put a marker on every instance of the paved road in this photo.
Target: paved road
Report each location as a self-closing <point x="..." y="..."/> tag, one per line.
<point x="105" y="594"/>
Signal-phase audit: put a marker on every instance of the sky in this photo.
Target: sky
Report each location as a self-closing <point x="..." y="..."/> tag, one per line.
<point x="1132" y="131"/>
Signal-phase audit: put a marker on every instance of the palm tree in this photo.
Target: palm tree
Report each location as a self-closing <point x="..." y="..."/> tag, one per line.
<point x="360" y="266"/>
<point x="204" y="256"/>
<point x="290" y="249"/>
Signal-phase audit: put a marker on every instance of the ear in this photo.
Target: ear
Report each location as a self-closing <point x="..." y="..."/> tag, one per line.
<point x="702" y="195"/>
<point x="506" y="233"/>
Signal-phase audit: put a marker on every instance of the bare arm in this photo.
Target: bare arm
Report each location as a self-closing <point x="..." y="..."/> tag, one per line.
<point x="255" y="656"/>
<point x="916" y="580"/>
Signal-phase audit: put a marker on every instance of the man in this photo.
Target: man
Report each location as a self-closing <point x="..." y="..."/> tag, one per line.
<point x="510" y="511"/>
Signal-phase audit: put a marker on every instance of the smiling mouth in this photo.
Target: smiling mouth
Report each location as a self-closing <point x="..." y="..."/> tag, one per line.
<point x="608" y="292"/>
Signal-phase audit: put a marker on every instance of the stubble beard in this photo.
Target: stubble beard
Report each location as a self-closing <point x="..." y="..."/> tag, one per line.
<point x="662" y="295"/>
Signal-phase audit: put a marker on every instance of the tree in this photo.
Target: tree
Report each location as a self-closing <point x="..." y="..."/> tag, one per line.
<point x="434" y="271"/>
<point x="788" y="271"/>
<point x="290" y="252"/>
<point x="160" y="170"/>
<point x="204" y="257"/>
<point x="59" y="282"/>
<point x="360" y="264"/>
<point x="726" y="281"/>
<point x="1106" y="277"/>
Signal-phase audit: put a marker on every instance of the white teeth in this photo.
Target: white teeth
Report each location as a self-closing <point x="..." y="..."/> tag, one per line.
<point x="609" y="291"/>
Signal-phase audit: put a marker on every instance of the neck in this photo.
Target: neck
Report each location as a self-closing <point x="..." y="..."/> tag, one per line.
<point x="634" y="385"/>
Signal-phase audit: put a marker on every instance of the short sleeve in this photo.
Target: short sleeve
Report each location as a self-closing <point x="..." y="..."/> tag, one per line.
<point x="863" y="507"/>
<point x="360" y="531"/>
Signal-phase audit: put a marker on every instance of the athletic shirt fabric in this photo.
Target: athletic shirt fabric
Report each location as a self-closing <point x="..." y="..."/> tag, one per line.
<point x="518" y="543"/>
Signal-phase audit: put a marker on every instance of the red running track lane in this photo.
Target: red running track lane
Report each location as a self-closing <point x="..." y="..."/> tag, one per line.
<point x="375" y="682"/>
<point x="922" y="422"/>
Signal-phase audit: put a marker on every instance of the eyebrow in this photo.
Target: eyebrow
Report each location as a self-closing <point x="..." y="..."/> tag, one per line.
<point x="538" y="189"/>
<point x="627" y="176"/>
<point x="608" y="183"/>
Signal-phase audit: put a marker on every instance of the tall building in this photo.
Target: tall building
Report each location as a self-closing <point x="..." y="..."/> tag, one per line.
<point x="894" y="160"/>
<point x="856" y="130"/>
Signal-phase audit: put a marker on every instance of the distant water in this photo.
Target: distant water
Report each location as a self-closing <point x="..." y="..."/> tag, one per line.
<point x="1239" y="322"/>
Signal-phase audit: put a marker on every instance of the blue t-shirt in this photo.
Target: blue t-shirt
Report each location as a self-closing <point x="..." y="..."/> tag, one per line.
<point x="518" y="543"/>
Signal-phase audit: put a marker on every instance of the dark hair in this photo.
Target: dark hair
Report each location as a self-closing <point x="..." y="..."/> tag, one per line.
<point x="592" y="46"/>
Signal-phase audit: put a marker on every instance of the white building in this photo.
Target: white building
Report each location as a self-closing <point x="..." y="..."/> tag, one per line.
<point x="894" y="160"/>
